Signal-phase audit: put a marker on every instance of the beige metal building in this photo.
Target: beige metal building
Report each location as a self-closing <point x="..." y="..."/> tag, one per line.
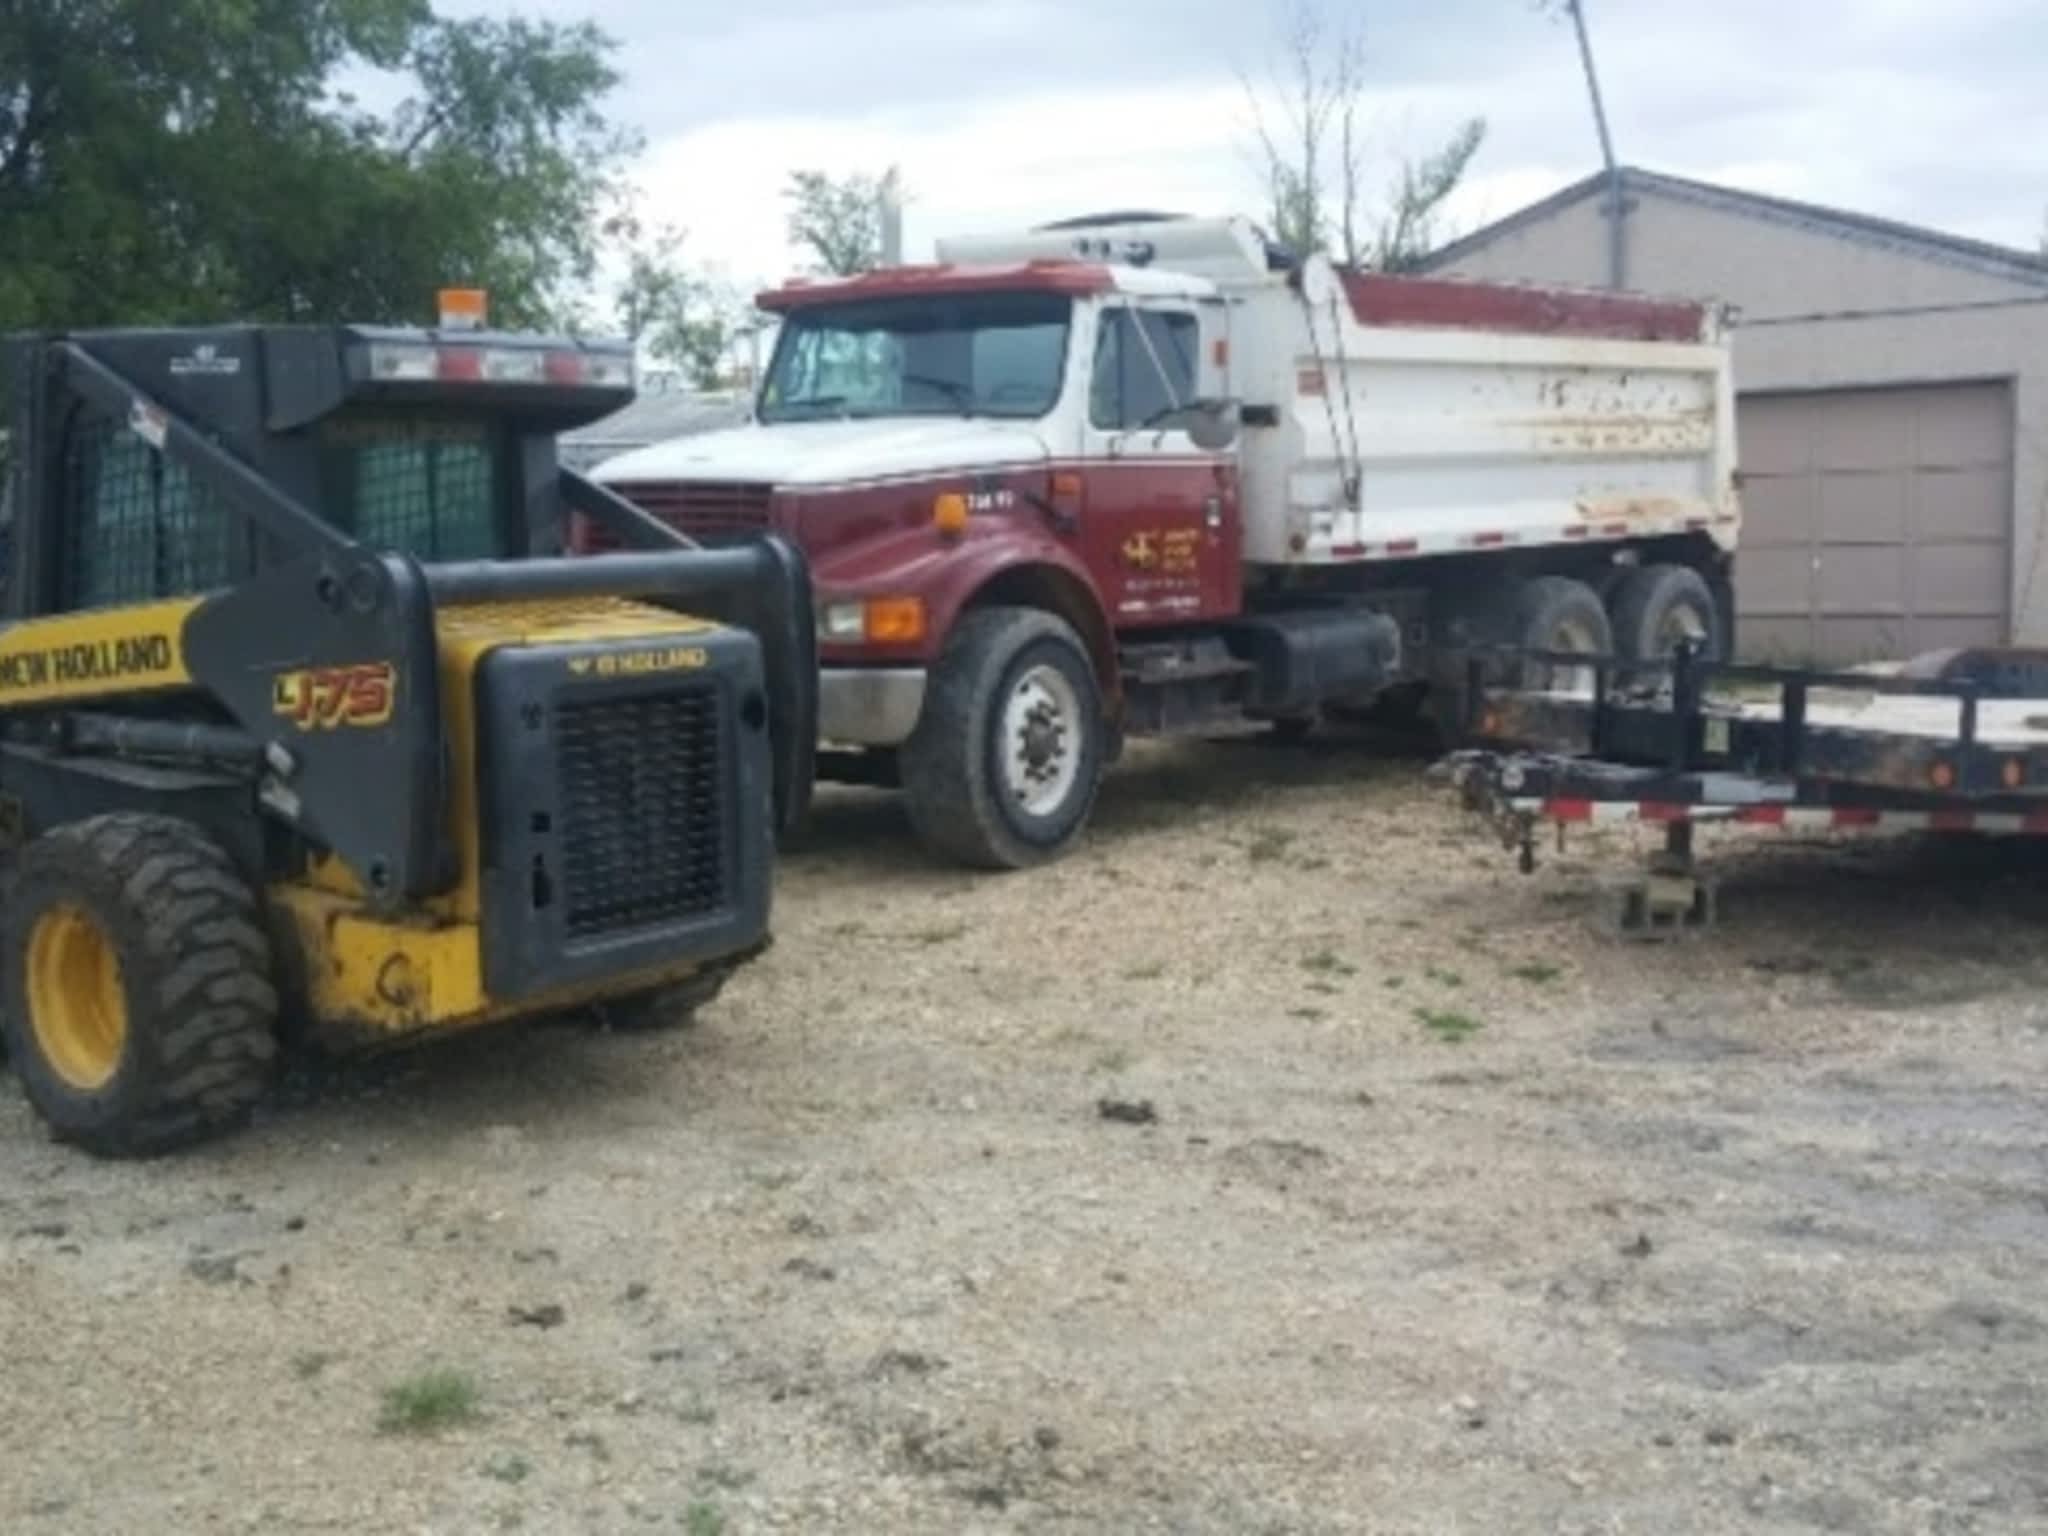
<point x="1892" y="414"/>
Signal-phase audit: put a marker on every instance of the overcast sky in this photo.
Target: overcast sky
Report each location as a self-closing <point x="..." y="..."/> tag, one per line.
<point x="1008" y="112"/>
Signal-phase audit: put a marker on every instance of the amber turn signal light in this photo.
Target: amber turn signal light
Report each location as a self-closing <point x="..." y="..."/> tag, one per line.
<point x="463" y="309"/>
<point x="895" y="620"/>
<point x="949" y="513"/>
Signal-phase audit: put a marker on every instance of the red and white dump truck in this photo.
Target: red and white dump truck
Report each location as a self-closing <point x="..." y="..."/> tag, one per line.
<point x="1150" y="476"/>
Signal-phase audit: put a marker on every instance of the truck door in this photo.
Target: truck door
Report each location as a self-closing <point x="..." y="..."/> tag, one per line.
<point x="1161" y="527"/>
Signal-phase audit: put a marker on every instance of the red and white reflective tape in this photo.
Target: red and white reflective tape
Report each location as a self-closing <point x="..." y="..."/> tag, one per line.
<point x="1798" y="818"/>
<point x="1501" y="538"/>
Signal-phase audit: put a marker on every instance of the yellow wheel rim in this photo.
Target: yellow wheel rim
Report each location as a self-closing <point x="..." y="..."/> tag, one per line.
<point x="76" y="1007"/>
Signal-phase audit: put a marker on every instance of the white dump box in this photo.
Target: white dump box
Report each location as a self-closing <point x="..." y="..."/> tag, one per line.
<point x="1408" y="416"/>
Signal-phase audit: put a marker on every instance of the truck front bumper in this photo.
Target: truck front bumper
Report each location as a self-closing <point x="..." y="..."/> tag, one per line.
<point x="869" y="706"/>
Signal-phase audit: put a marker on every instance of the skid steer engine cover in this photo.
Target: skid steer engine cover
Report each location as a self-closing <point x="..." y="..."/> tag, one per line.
<point x="625" y="807"/>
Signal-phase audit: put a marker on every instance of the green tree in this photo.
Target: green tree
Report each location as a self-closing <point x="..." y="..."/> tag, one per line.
<point x="838" y="220"/>
<point x="676" y="315"/>
<point x="1406" y="232"/>
<point x="167" y="161"/>
<point x="1310" y="143"/>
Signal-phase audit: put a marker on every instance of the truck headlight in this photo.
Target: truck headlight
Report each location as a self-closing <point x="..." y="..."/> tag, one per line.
<point x="876" y="621"/>
<point x="846" y="623"/>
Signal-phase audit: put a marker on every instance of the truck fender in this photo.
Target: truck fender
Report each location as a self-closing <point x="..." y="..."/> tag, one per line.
<point x="1059" y="586"/>
<point x="996" y="561"/>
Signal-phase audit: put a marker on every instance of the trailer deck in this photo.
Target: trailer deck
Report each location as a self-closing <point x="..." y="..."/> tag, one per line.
<point x="1952" y="742"/>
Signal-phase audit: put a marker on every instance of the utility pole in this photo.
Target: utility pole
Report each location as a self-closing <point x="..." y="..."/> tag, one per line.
<point x="890" y="216"/>
<point x="1617" y="246"/>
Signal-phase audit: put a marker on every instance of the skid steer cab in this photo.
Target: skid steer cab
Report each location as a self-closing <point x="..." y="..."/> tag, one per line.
<point x="308" y="732"/>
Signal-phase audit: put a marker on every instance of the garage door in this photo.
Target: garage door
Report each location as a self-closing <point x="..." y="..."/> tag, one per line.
<point x="1876" y="522"/>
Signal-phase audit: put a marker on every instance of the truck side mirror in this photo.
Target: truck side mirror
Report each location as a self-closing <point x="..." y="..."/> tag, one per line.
<point x="1212" y="425"/>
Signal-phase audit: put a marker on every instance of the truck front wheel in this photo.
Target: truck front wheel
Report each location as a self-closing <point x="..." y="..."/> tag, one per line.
<point x="1003" y="767"/>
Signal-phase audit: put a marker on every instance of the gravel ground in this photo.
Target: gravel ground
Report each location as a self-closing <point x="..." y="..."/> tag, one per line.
<point x="1283" y="1162"/>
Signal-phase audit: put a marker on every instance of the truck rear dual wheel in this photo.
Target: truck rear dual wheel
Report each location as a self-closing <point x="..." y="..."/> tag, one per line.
<point x="1003" y="767"/>
<point x="1556" y="613"/>
<point x="1657" y="607"/>
<point x="139" y="1007"/>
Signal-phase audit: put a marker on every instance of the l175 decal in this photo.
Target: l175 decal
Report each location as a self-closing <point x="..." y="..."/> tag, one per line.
<point x="322" y="698"/>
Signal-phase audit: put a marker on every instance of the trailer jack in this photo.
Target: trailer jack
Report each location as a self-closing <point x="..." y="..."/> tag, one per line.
<point x="1670" y="899"/>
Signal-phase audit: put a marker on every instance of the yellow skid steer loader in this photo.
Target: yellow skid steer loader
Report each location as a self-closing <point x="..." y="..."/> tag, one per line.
<point x="307" y="727"/>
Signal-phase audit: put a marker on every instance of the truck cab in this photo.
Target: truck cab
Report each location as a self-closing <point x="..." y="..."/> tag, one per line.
<point x="1153" y="476"/>
<point x="941" y="437"/>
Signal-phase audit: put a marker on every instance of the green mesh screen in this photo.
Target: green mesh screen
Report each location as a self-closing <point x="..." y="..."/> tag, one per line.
<point x="426" y="487"/>
<point x="138" y="527"/>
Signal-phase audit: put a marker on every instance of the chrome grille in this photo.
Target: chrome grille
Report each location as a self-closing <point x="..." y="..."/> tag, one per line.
<point x="705" y="509"/>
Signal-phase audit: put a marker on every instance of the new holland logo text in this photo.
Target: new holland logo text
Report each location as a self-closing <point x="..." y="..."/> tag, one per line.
<point x="91" y="661"/>
<point x="321" y="698"/>
<point x="673" y="658"/>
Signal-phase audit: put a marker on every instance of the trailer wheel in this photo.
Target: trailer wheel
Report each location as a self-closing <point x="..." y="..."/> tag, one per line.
<point x="1658" y="606"/>
<point x="1002" y="769"/>
<point x="140" y="1010"/>
<point x="1556" y="613"/>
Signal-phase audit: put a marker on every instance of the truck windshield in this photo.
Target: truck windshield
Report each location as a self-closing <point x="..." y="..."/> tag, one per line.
<point x="997" y="354"/>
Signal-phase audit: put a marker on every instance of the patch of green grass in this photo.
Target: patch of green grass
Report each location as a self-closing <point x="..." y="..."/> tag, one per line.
<point x="1151" y="970"/>
<point x="1536" y="973"/>
<point x="431" y="1401"/>
<point x="1115" y="1059"/>
<point x="697" y="1411"/>
<point x="1327" y="962"/>
<point x="1311" y="864"/>
<point x="1443" y="978"/>
<point x="1448" y="1025"/>
<point x="1310" y="1014"/>
<point x="851" y="929"/>
<point x="723" y="1476"/>
<point x="1393" y="983"/>
<point x="938" y="933"/>
<point x="1268" y="843"/>
<point x="704" y="1518"/>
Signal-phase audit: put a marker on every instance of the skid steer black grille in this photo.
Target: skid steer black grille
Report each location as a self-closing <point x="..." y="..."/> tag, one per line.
<point x="643" y="820"/>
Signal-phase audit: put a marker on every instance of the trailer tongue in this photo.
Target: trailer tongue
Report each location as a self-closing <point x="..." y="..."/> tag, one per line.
<point x="1953" y="742"/>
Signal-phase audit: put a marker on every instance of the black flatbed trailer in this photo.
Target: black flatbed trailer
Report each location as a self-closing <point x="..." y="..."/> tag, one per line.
<point x="1953" y="741"/>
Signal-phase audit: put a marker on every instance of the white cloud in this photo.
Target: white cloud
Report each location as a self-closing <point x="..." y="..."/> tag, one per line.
<point x="1003" y="163"/>
<point x="1012" y="112"/>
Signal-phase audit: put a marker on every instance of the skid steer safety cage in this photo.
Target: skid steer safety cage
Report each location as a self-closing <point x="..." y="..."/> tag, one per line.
<point x="137" y="526"/>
